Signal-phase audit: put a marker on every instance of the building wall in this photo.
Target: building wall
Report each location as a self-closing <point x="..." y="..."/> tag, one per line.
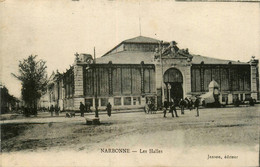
<point x="130" y="85"/>
<point x="234" y="80"/>
<point x="229" y="77"/>
<point x="181" y="64"/>
<point x="69" y="88"/>
<point x="123" y="85"/>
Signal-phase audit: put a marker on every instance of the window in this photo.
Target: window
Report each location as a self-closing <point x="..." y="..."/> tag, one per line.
<point x="117" y="101"/>
<point x="241" y="97"/>
<point x="104" y="101"/>
<point x="96" y="102"/>
<point x="235" y="97"/>
<point x="90" y="101"/>
<point x="248" y="96"/>
<point x="136" y="100"/>
<point x="127" y="100"/>
<point x="224" y="97"/>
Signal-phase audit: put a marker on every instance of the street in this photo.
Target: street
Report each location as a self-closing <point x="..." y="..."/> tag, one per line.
<point x="186" y="140"/>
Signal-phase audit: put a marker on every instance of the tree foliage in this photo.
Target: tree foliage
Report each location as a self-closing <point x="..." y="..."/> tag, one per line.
<point x="6" y="99"/>
<point x="33" y="75"/>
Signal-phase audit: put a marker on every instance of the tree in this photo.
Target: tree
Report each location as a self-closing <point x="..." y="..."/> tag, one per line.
<point x="33" y="75"/>
<point x="7" y="101"/>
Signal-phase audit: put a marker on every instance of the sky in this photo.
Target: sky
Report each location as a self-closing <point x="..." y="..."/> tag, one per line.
<point x="56" y="30"/>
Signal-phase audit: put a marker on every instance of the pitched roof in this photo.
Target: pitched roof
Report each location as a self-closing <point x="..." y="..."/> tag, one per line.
<point x="135" y="57"/>
<point x="127" y="57"/>
<point x="197" y="59"/>
<point x="141" y="39"/>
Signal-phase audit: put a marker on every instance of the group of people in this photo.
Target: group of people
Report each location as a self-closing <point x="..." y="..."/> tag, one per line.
<point x="87" y="106"/>
<point x="84" y="108"/>
<point x="150" y="107"/>
<point x="182" y="103"/>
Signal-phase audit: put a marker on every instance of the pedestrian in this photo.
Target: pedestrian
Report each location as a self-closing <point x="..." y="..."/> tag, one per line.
<point x="82" y="108"/>
<point x="182" y="105"/>
<point x="191" y="104"/>
<point x="196" y="104"/>
<point x="51" y="110"/>
<point x="86" y="107"/>
<point x="56" y="110"/>
<point x="109" y="109"/>
<point x="173" y="105"/>
<point x="96" y="111"/>
<point x="251" y="101"/>
<point x="165" y="107"/>
<point x="149" y="106"/>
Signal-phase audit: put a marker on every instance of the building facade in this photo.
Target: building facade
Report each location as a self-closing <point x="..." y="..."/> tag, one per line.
<point x="142" y="69"/>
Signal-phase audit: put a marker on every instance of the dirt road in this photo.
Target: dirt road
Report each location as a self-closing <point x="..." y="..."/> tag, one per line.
<point x="181" y="140"/>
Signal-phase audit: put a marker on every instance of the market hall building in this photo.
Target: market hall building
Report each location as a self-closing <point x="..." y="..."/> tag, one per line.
<point x="142" y="69"/>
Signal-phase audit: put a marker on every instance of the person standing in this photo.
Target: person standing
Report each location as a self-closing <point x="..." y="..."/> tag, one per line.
<point x="191" y="104"/>
<point x="86" y="107"/>
<point x="196" y="104"/>
<point x="109" y="109"/>
<point x="182" y="105"/>
<point x="52" y="109"/>
<point x="96" y="111"/>
<point x="82" y="108"/>
<point x="165" y="107"/>
<point x="173" y="105"/>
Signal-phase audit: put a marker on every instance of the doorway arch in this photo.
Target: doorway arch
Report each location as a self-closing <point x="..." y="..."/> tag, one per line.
<point x="173" y="80"/>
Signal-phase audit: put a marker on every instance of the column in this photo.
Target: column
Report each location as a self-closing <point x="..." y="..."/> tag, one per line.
<point x="253" y="74"/>
<point x="78" y="86"/>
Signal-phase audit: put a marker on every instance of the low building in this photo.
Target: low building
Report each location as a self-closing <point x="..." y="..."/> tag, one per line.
<point x="142" y="69"/>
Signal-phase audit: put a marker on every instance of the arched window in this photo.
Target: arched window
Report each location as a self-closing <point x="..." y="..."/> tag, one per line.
<point x="172" y="75"/>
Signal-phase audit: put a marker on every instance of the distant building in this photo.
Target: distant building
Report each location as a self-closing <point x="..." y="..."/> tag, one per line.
<point x="138" y="69"/>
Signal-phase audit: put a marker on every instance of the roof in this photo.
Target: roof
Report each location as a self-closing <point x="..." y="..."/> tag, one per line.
<point x="197" y="59"/>
<point x="127" y="57"/>
<point x="130" y="57"/>
<point x="135" y="57"/>
<point x="141" y="39"/>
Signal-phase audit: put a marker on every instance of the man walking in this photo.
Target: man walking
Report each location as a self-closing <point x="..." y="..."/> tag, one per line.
<point x="165" y="107"/>
<point x="173" y="107"/>
<point x="82" y="108"/>
<point x="196" y="105"/>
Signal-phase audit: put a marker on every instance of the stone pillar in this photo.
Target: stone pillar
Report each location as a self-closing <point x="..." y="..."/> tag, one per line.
<point x="230" y="98"/>
<point x="254" y="78"/>
<point x="158" y="84"/>
<point x="132" y="100"/>
<point x="78" y="86"/>
<point x="122" y="101"/>
<point x="220" y="98"/>
<point x="187" y="82"/>
<point x="111" y="101"/>
<point x="110" y="79"/>
<point x="142" y="78"/>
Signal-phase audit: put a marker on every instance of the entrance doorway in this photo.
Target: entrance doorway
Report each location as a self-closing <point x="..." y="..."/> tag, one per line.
<point x="174" y="84"/>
